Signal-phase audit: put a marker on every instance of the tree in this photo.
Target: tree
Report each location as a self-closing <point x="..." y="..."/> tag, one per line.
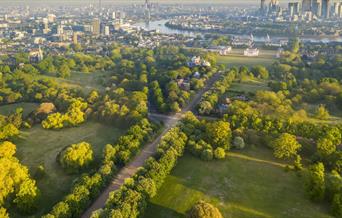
<point x="315" y="184"/>
<point x="175" y="107"/>
<point x="260" y="71"/>
<point x="205" y="107"/>
<point x="27" y="196"/>
<point x="337" y="205"/>
<point x="204" y="210"/>
<point x="239" y="143"/>
<point x="297" y="163"/>
<point x="3" y="213"/>
<point x="219" y="134"/>
<point x="325" y="146"/>
<point x="64" y="71"/>
<point x="322" y="113"/>
<point x="7" y="149"/>
<point x="286" y="146"/>
<point x="219" y="153"/>
<point x="77" y="156"/>
<point x="207" y="154"/>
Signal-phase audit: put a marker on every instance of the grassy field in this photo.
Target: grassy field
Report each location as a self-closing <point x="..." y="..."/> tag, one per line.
<point x="10" y="108"/>
<point x="236" y="58"/>
<point x="85" y="81"/>
<point x="37" y="146"/>
<point x="249" y="86"/>
<point x="249" y="184"/>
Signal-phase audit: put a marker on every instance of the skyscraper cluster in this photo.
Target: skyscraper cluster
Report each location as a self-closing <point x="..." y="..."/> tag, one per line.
<point x="318" y="8"/>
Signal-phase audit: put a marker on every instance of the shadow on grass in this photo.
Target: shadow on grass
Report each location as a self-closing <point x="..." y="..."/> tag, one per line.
<point x="160" y="211"/>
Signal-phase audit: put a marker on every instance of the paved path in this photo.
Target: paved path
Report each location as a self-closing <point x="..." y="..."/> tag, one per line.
<point x="148" y="150"/>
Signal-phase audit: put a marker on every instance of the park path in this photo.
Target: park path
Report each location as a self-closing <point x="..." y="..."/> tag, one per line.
<point x="129" y="170"/>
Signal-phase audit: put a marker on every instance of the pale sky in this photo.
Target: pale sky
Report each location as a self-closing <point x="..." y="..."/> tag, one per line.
<point x="64" y="2"/>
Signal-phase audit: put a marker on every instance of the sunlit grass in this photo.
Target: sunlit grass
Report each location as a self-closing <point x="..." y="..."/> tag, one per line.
<point x="249" y="184"/>
<point x="38" y="146"/>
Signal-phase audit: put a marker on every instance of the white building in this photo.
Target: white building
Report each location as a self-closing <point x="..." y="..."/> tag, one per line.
<point x="225" y="50"/>
<point x="251" y="52"/>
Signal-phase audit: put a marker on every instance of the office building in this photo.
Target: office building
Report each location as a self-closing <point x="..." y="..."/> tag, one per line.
<point x="306" y="5"/>
<point x="96" y="26"/>
<point x="326" y="8"/>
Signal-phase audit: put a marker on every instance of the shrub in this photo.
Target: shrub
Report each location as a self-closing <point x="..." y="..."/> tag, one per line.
<point x="239" y="143"/>
<point x="204" y="210"/>
<point x="219" y="153"/>
<point x="207" y="154"/>
<point x="76" y="157"/>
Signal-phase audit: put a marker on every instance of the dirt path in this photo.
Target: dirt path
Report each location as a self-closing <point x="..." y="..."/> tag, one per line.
<point x="129" y="170"/>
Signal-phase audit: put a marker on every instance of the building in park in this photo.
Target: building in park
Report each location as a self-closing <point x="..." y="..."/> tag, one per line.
<point x="36" y="55"/>
<point x="251" y="52"/>
<point x="221" y="50"/>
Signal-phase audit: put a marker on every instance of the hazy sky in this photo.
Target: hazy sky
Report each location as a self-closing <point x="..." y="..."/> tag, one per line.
<point x="64" y="2"/>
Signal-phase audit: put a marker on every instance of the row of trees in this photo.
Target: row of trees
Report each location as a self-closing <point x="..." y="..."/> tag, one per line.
<point x="322" y="185"/>
<point x="89" y="186"/>
<point x="131" y="199"/>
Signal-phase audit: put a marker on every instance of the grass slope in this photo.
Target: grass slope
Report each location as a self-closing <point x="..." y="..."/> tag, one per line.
<point x="10" y="108"/>
<point x="250" y="184"/>
<point x="37" y="146"/>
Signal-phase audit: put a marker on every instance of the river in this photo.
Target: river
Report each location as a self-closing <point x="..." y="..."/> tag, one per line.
<point x="160" y="25"/>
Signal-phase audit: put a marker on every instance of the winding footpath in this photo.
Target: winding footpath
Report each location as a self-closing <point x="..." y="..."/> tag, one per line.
<point x="148" y="150"/>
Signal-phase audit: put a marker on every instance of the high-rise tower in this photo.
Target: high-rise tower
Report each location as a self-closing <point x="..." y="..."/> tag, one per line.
<point x="147" y="12"/>
<point x="326" y="8"/>
<point x="306" y="5"/>
<point x="317" y="7"/>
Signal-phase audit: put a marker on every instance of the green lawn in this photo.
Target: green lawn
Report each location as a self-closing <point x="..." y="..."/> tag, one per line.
<point x="10" y="108"/>
<point x="240" y="60"/>
<point x="249" y="184"/>
<point x="251" y="86"/>
<point x="37" y="146"/>
<point x="84" y="81"/>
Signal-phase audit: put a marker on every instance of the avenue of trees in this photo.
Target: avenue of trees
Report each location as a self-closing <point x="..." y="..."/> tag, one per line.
<point x="131" y="199"/>
<point x="90" y="185"/>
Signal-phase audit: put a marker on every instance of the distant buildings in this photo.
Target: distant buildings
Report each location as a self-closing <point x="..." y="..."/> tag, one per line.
<point x="306" y="10"/>
<point x="36" y="55"/>
<point x="198" y="61"/>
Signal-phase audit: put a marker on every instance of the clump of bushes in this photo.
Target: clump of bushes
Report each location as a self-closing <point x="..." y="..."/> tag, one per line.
<point x="203" y="209"/>
<point x="76" y="157"/>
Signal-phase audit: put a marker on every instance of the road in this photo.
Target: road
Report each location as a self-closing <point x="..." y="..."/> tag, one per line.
<point x="148" y="150"/>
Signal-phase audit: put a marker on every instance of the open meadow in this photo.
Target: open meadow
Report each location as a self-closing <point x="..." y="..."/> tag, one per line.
<point x="249" y="184"/>
<point x="37" y="146"/>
